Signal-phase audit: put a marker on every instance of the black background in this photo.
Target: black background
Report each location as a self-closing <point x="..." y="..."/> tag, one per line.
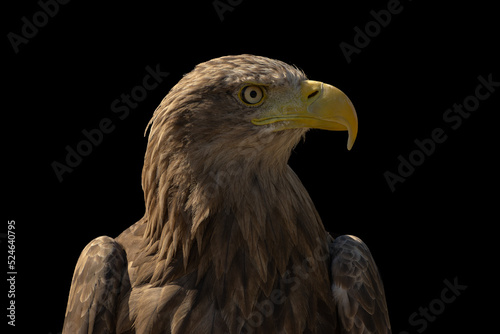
<point x="438" y="225"/>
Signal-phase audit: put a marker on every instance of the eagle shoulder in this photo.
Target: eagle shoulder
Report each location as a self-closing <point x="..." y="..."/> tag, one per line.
<point x="357" y="287"/>
<point x="100" y="277"/>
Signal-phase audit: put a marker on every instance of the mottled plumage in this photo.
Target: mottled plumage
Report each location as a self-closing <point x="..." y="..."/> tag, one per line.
<point x="231" y="241"/>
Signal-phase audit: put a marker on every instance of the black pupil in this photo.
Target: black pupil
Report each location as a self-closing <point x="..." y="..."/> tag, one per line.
<point x="253" y="94"/>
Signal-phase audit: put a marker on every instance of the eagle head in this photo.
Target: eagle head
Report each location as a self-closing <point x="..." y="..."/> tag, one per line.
<point x="230" y="121"/>
<point x="231" y="106"/>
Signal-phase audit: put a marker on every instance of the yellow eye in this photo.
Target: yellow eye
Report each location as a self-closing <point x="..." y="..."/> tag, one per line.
<point x="251" y="94"/>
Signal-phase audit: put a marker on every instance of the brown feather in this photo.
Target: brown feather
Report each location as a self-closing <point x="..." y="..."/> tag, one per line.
<point x="357" y="288"/>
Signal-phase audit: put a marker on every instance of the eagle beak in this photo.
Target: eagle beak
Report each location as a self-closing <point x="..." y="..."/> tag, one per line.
<point x="321" y="106"/>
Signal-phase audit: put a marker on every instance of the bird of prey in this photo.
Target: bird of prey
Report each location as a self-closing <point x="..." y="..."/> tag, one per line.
<point x="230" y="241"/>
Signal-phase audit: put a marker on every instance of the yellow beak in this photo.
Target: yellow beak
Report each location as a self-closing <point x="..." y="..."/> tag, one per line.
<point x="321" y="106"/>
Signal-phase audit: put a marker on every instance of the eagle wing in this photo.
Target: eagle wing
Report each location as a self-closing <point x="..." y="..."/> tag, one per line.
<point x="357" y="288"/>
<point x="100" y="276"/>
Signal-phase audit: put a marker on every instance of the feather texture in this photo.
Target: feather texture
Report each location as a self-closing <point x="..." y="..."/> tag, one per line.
<point x="357" y="288"/>
<point x="230" y="241"/>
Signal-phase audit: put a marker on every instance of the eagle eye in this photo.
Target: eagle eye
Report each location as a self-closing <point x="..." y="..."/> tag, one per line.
<point x="251" y="95"/>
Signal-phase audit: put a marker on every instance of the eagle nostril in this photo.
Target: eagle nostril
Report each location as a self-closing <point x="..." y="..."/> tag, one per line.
<point x="313" y="94"/>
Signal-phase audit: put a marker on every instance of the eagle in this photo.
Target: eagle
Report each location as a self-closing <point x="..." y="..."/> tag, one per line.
<point x="231" y="242"/>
